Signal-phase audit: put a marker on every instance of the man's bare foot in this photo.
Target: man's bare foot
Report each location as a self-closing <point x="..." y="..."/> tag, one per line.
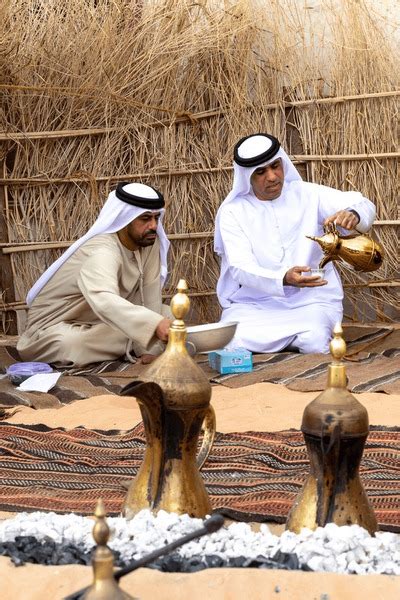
<point x="146" y="359"/>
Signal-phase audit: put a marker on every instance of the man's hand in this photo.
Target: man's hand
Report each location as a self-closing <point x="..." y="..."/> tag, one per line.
<point x="295" y="278"/>
<point x="344" y="218"/>
<point x="146" y="359"/>
<point x="163" y="329"/>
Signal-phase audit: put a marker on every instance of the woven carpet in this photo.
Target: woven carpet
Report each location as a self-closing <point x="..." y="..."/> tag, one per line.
<point x="251" y="476"/>
<point x="373" y="365"/>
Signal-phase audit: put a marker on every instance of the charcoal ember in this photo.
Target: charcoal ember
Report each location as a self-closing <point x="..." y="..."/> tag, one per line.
<point x="32" y="551"/>
<point x="27" y="549"/>
<point x="193" y="564"/>
<point x="259" y="562"/>
<point x="287" y="559"/>
<point x="42" y="554"/>
<point x="251" y="563"/>
<point x="4" y="548"/>
<point x="67" y="555"/>
<point x="25" y="540"/>
<point x="256" y="563"/>
<point x="214" y="561"/>
<point x="175" y="563"/>
<point x="170" y="563"/>
<point x="237" y="561"/>
<point x="10" y="549"/>
<point x="262" y="562"/>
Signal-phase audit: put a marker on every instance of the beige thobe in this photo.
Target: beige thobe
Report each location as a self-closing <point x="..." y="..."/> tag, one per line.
<point x="103" y="302"/>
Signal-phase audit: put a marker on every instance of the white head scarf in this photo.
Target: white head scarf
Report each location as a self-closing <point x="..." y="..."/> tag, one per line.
<point x="252" y="146"/>
<point x="114" y="215"/>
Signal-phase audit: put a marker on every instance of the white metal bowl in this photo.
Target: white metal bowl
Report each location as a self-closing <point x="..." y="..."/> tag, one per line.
<point x="211" y="336"/>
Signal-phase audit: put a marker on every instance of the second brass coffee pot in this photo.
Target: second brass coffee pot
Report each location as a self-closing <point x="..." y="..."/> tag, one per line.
<point x="335" y="427"/>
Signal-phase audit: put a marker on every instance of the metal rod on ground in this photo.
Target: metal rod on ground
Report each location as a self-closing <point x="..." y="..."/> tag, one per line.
<point x="209" y="526"/>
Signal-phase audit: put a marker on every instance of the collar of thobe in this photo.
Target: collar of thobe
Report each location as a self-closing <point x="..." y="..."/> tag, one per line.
<point x="114" y="215"/>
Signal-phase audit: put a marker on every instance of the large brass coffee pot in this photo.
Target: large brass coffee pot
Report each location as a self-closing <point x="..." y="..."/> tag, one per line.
<point x="360" y="251"/>
<point x="174" y="399"/>
<point x="335" y="427"/>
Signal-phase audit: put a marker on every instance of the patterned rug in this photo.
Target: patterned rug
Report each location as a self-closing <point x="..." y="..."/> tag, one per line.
<point x="373" y="365"/>
<point x="252" y="476"/>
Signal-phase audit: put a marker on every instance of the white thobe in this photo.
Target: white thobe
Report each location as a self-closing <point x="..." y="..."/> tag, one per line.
<point x="262" y="240"/>
<point x="103" y="302"/>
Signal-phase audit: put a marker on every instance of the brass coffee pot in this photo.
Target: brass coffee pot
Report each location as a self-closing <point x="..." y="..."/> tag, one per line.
<point x="360" y="251"/>
<point x="174" y="399"/>
<point x="335" y="427"/>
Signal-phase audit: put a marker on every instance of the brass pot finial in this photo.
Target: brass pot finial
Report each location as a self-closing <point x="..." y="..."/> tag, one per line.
<point x="101" y="531"/>
<point x="104" y="586"/>
<point x="337" y="345"/>
<point x="180" y="303"/>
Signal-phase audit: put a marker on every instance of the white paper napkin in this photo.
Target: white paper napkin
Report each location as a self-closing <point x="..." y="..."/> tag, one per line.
<point x="42" y="382"/>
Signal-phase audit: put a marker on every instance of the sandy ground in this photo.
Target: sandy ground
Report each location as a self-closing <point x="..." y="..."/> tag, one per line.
<point x="261" y="407"/>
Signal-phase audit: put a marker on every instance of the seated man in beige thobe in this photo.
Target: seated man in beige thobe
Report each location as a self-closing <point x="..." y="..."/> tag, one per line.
<point x="101" y="299"/>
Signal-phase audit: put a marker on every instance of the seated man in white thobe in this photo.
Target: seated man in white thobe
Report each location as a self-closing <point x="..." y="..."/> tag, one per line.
<point x="261" y="237"/>
<point x="101" y="299"/>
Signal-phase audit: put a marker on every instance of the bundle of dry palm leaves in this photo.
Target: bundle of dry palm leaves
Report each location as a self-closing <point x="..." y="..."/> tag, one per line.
<point x="100" y="91"/>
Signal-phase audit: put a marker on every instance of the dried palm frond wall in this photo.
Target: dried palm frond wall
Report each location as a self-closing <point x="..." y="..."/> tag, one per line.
<point x="99" y="91"/>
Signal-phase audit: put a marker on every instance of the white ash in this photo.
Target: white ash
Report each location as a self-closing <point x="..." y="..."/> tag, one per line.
<point x="348" y="549"/>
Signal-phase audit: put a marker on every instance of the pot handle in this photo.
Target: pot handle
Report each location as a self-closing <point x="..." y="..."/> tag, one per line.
<point x="191" y="348"/>
<point x="331" y="228"/>
<point x="209" y="429"/>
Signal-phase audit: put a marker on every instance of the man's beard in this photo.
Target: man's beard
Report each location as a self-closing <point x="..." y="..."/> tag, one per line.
<point x="146" y="240"/>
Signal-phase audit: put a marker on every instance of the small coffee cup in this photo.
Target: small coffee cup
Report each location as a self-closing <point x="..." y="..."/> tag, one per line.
<point x="314" y="272"/>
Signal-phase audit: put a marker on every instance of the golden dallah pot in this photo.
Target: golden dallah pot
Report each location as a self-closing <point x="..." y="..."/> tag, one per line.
<point x="360" y="251"/>
<point x="174" y="399"/>
<point x="335" y="427"/>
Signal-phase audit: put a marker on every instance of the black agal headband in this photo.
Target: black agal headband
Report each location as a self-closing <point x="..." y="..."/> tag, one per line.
<point x="151" y="203"/>
<point x="266" y="148"/>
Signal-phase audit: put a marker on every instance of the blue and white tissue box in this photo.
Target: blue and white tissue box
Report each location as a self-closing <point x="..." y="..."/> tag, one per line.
<point x="235" y="360"/>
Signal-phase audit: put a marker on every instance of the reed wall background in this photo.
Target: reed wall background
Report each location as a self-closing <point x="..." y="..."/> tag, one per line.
<point x="99" y="91"/>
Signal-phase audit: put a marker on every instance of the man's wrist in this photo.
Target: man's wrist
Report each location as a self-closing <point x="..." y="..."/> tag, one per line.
<point x="355" y="213"/>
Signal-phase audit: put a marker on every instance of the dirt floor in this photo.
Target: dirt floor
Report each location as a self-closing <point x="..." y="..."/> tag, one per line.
<point x="261" y="407"/>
